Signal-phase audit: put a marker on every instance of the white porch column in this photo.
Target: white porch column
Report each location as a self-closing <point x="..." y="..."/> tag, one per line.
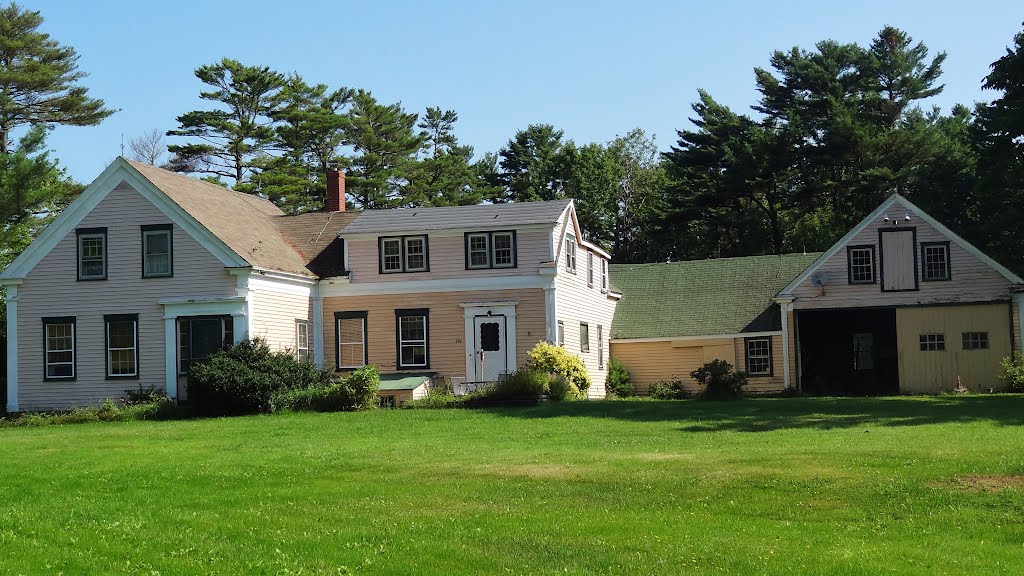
<point x="170" y="357"/>
<point x="242" y="324"/>
<point x="318" y="327"/>
<point x="12" y="347"/>
<point x="1018" y="300"/>
<point x="550" y="313"/>
<point x="785" y="305"/>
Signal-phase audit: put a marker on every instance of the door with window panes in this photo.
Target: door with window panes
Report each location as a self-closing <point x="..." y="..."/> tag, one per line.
<point x="490" y="347"/>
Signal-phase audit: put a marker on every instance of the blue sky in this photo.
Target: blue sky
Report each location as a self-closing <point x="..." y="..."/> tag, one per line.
<point x="595" y="69"/>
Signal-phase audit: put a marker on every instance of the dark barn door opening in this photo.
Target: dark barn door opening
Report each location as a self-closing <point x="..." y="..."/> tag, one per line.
<point x="848" y="352"/>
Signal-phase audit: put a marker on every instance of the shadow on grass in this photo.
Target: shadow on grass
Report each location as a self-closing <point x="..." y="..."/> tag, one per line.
<point x="767" y="414"/>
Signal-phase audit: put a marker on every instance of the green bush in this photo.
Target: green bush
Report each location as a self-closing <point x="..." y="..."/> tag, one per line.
<point x="242" y="379"/>
<point x="355" y="391"/>
<point x="436" y="398"/>
<point x="559" y="388"/>
<point x="108" y="411"/>
<point x="1012" y="374"/>
<point x="669" y="390"/>
<point x="719" y="382"/>
<point x="619" y="379"/>
<point x="521" y="384"/>
<point x="552" y="359"/>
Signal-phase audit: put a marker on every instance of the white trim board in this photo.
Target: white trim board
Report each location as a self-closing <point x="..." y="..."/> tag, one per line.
<point x="952" y="236"/>
<point x="330" y="289"/>
<point x="703" y="337"/>
<point x="118" y="171"/>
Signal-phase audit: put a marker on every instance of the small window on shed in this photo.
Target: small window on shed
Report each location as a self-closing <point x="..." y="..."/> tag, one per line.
<point x="933" y="342"/>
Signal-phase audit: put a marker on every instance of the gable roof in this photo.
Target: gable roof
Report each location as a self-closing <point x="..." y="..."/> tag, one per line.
<point x="938" y="226"/>
<point x="315" y="236"/>
<point x="702" y="297"/>
<point x="246" y="223"/>
<point x="478" y="217"/>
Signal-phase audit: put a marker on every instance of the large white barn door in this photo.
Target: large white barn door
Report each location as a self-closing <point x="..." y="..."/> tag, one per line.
<point x="899" y="260"/>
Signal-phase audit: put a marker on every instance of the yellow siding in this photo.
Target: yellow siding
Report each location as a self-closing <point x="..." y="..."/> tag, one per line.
<point x="650" y="362"/>
<point x="51" y="289"/>
<point x="448" y="353"/>
<point x="937" y="371"/>
<point x="972" y="279"/>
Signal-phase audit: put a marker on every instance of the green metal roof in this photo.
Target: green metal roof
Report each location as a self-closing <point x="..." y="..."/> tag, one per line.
<point x="403" y="381"/>
<point x="702" y="297"/>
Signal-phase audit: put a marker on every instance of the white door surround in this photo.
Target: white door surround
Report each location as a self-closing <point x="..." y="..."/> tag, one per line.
<point x="490" y="347"/>
<point x="234" y="306"/>
<point x="478" y="312"/>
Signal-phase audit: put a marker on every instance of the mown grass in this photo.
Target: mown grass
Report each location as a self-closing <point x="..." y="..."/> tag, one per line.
<point x="766" y="486"/>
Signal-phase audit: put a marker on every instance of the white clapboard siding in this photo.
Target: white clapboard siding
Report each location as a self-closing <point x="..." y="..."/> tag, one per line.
<point x="52" y="289"/>
<point x="447" y="258"/>
<point x="274" y="316"/>
<point x="972" y="280"/>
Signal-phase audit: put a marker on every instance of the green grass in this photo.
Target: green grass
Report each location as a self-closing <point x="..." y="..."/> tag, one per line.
<point x="767" y="486"/>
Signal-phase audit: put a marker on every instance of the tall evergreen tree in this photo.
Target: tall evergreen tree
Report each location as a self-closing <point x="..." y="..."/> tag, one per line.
<point x="532" y="165"/>
<point x="445" y="176"/>
<point x="385" y="145"/>
<point x="239" y="130"/>
<point x="39" y="79"/>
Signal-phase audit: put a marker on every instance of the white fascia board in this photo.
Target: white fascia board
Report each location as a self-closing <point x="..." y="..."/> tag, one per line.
<point x="446" y="232"/>
<point x="281" y="286"/>
<point x="119" y="170"/>
<point x="702" y="337"/>
<point x="330" y="289"/>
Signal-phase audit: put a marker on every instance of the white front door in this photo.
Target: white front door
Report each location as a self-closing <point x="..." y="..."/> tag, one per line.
<point x="490" y="347"/>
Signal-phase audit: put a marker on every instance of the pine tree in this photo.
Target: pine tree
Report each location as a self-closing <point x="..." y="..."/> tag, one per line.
<point x="385" y="144"/>
<point x="446" y="175"/>
<point x="532" y="165"/>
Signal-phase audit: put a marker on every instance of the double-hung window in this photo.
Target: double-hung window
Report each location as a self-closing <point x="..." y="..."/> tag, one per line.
<point x="604" y="274"/>
<point x="561" y="333"/>
<point x="861" y="264"/>
<point x="570" y="253"/>
<point x="92" y="253"/>
<point x="759" y="356"/>
<point x="302" y="340"/>
<point x="59" y="348"/>
<point x="600" y="346"/>
<point x="413" y="330"/>
<point x="490" y="250"/>
<point x="157" y="251"/>
<point x="403" y="254"/>
<point x="350" y="331"/>
<point x="935" y="261"/>
<point x="584" y="337"/>
<point x="122" y="336"/>
<point x="590" y="268"/>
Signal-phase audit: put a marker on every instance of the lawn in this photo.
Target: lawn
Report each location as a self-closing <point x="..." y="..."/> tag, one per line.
<point x="768" y="486"/>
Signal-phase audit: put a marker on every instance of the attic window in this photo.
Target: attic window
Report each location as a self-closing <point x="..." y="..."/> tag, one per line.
<point x="156" y="251"/>
<point x="92" y="253"/>
<point x="570" y="253"/>
<point x="935" y="256"/>
<point x="861" y="264"/>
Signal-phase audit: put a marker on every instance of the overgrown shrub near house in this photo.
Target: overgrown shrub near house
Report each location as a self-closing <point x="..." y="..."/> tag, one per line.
<point x="355" y="391"/>
<point x="436" y="398"/>
<point x="551" y="359"/>
<point x="669" y="390"/>
<point x="719" y="382"/>
<point x="619" y="379"/>
<point x="559" y="388"/>
<point x="1012" y="373"/>
<point x="158" y="407"/>
<point x="242" y="379"/>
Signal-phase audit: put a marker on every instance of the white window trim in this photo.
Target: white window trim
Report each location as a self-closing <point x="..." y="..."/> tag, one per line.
<point x="767" y="356"/>
<point x="570" y="253"/>
<point x="604" y="274"/>
<point x="47" y="351"/>
<point x="590" y="269"/>
<point x="146" y="235"/>
<point x="300" y="327"/>
<point x="361" y="343"/>
<point x="871" y="264"/>
<point x="403" y="343"/>
<point x="405" y="253"/>
<point x="584" y="341"/>
<point x="486" y="251"/>
<point x="560" y="334"/>
<point x="946" y="263"/>
<point x="494" y="250"/>
<point x="600" y="347"/>
<point x="134" y="348"/>
<point x="383" y="252"/>
<point x="81" y="256"/>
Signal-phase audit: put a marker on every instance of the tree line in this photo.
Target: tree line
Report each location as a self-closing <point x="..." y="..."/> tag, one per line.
<point x="835" y="130"/>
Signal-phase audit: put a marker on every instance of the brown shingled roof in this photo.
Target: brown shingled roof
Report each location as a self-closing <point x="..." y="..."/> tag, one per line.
<point x="246" y="223"/>
<point x="315" y="235"/>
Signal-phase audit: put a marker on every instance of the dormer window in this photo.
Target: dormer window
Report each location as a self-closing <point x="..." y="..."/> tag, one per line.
<point x="490" y="250"/>
<point x="92" y="253"/>
<point x="403" y="254"/>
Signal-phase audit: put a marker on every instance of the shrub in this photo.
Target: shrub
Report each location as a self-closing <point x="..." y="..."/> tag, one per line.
<point x="559" y="388"/>
<point x="552" y="359"/>
<point x="355" y="391"/>
<point x="140" y="395"/>
<point x="242" y="379"/>
<point x="436" y="398"/>
<point x="521" y="384"/>
<point x="1012" y="374"/>
<point x="108" y="411"/>
<point x="669" y="390"/>
<point x="619" y="379"/>
<point x="719" y="382"/>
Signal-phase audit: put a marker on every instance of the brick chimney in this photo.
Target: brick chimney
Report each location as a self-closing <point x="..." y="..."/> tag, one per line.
<point x="335" y="201"/>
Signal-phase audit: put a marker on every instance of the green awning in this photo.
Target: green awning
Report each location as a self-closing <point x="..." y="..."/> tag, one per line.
<point x="403" y="381"/>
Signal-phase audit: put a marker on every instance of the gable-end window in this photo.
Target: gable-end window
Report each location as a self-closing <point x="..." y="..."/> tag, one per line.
<point x="59" y="347"/>
<point x="975" y="340"/>
<point x="759" y="356"/>
<point x="935" y="259"/>
<point x="590" y="268"/>
<point x="157" y="251"/>
<point x="92" y="253"/>
<point x="350" y="332"/>
<point x="600" y="346"/>
<point x="490" y="250"/>
<point x="861" y="264"/>
<point x="604" y="274"/>
<point x="412" y="331"/>
<point x="403" y="254"/>
<point x="302" y="340"/>
<point x="201" y="336"/>
<point x="584" y="337"/>
<point x="561" y="333"/>
<point x="933" y="342"/>
<point x="570" y="253"/>
<point x="122" y="335"/>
